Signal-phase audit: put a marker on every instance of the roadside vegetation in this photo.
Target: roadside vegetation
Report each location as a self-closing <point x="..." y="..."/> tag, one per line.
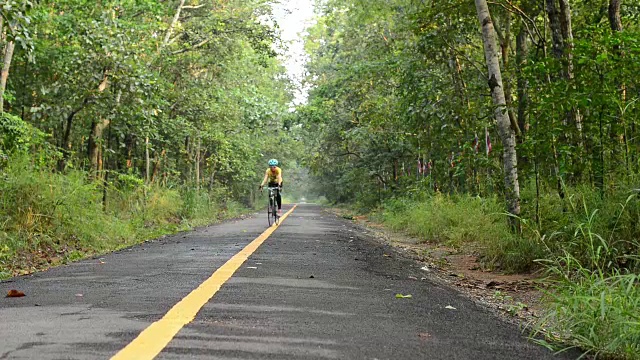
<point x="124" y="120"/>
<point x="507" y="129"/>
<point x="50" y="218"/>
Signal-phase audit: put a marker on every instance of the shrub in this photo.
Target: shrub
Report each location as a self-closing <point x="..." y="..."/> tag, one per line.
<point x="592" y="310"/>
<point x="463" y="220"/>
<point x="50" y="217"/>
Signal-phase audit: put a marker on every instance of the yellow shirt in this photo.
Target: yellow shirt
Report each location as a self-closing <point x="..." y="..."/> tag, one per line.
<point x="273" y="175"/>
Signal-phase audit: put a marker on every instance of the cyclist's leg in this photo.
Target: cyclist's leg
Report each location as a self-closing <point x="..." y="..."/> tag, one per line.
<point x="278" y="201"/>
<point x="279" y="198"/>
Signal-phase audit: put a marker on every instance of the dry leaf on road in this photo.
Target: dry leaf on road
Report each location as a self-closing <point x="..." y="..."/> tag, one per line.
<point x="15" y="293"/>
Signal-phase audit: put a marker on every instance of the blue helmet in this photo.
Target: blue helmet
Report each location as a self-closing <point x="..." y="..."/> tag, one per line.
<point x="273" y="162"/>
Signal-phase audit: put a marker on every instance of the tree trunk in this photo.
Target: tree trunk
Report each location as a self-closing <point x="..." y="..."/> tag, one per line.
<point x="556" y="31"/>
<point x="504" y="125"/>
<point x="458" y="80"/>
<point x="616" y="26"/>
<point x="8" y="56"/>
<point x="562" y="39"/>
<point x="165" y="174"/>
<point x="156" y="165"/>
<point x="614" y="15"/>
<point x="198" y="163"/>
<point x="188" y="170"/>
<point x="105" y="166"/>
<point x="504" y="38"/>
<point x="523" y="85"/>
<point x="147" y="160"/>
<point x="395" y="172"/>
<point x="65" y="143"/>
<point x="176" y="17"/>
<point x="567" y="34"/>
<point x="95" y="146"/>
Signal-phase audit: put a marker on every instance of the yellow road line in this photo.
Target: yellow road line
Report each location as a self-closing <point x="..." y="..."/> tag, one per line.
<point x="157" y="336"/>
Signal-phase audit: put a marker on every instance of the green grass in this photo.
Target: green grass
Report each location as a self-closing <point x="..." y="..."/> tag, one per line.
<point x="592" y="310"/>
<point x="589" y="244"/>
<point x="463" y="221"/>
<point x="50" y="218"/>
<point x="593" y="300"/>
<point x="598" y="230"/>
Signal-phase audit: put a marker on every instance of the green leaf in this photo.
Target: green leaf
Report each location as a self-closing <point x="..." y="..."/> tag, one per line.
<point x="400" y="296"/>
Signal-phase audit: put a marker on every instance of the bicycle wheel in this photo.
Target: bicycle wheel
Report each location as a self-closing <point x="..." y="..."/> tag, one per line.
<point x="270" y="210"/>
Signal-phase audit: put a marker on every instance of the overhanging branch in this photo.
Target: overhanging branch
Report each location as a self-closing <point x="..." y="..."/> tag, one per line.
<point x="200" y="44"/>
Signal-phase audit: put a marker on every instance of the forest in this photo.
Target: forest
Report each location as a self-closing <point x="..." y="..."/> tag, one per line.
<point x="125" y="120"/>
<point x="506" y="128"/>
<point x="509" y="127"/>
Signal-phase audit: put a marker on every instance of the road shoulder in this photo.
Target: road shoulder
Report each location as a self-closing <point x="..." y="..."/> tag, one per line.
<point x="515" y="298"/>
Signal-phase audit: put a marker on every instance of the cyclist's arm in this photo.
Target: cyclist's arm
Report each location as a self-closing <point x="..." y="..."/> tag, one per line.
<point x="264" y="180"/>
<point x="279" y="179"/>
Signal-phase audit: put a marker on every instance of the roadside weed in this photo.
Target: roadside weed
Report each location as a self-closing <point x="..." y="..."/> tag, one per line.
<point x="50" y="218"/>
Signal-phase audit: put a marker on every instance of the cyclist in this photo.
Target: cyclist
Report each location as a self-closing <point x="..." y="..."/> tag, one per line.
<point x="274" y="175"/>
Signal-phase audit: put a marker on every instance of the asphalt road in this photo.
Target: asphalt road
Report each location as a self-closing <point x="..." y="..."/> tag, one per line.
<point x="317" y="288"/>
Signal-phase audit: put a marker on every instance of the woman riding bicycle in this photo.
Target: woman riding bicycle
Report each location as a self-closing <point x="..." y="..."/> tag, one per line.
<point x="274" y="175"/>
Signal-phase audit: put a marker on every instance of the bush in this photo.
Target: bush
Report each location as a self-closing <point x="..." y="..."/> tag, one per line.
<point x="463" y="220"/>
<point x="596" y="312"/>
<point x="589" y="243"/>
<point x="600" y="231"/>
<point x="46" y="217"/>
<point x="16" y="135"/>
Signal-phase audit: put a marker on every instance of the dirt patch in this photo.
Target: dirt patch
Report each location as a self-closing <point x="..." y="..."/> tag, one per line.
<point x="516" y="297"/>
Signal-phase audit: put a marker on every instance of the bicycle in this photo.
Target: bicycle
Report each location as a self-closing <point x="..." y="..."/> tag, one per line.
<point x="272" y="209"/>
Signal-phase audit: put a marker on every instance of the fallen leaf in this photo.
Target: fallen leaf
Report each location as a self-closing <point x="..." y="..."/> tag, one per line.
<point x="424" y="335"/>
<point x="79" y="295"/>
<point x="15" y="293"/>
<point x="450" y="307"/>
<point x="413" y="278"/>
<point x="400" y="296"/>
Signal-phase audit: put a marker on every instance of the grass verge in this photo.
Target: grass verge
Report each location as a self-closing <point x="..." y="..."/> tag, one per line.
<point x="49" y="218"/>
<point x="591" y="310"/>
<point x="587" y="242"/>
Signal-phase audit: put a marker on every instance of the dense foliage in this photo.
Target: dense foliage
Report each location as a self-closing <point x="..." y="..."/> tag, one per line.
<point x="123" y="107"/>
<point x="163" y="90"/>
<point x="403" y="117"/>
<point x="400" y="91"/>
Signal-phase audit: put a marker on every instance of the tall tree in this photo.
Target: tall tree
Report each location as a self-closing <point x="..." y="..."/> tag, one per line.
<point x="507" y="135"/>
<point x="614" y="15"/>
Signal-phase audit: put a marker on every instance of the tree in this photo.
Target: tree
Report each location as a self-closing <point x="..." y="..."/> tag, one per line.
<point x="507" y="135"/>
